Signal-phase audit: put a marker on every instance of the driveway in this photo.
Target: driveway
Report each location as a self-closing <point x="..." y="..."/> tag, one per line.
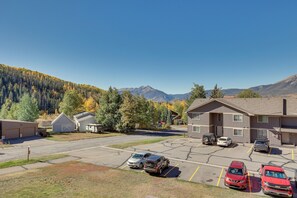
<point x="40" y="146"/>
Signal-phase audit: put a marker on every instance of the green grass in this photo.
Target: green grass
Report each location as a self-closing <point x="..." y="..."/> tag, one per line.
<point x="140" y="142"/>
<point x="22" y="162"/>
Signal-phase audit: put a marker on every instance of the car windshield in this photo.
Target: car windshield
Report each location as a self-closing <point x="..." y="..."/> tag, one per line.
<point x="235" y="171"/>
<point x="260" y="142"/>
<point x="223" y="139"/>
<point x="275" y="174"/>
<point x="137" y="156"/>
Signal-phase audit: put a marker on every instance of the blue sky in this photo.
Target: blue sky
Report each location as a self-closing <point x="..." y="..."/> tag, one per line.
<point x="167" y="44"/>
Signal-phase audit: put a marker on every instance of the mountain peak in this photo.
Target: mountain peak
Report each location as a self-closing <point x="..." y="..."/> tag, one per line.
<point x="290" y="79"/>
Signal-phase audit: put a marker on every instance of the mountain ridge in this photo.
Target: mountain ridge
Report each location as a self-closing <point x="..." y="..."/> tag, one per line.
<point x="283" y="87"/>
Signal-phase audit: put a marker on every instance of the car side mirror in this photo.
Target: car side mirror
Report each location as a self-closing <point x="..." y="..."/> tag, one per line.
<point x="289" y="178"/>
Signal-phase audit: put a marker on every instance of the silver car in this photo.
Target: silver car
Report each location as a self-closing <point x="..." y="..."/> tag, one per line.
<point x="137" y="160"/>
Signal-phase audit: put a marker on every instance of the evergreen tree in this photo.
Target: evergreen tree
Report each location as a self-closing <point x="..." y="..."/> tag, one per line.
<point x="217" y="92"/>
<point x="109" y="114"/>
<point x="4" y="112"/>
<point x="72" y="103"/>
<point x="197" y="91"/>
<point x="27" y="109"/>
<point x="248" y="93"/>
<point x="168" y="121"/>
<point x="47" y="90"/>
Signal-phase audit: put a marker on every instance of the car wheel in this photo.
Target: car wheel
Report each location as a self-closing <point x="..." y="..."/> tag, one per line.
<point x="141" y="165"/>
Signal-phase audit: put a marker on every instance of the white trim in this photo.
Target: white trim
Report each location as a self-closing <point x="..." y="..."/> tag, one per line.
<point x="237" y="135"/>
<point x="232" y="113"/>
<point x="268" y="129"/>
<point x="238" y="115"/>
<point x="201" y="125"/>
<point x="262" y="122"/>
<point x="236" y="128"/>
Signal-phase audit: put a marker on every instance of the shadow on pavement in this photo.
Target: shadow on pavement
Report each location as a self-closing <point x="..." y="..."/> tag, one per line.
<point x="158" y="133"/>
<point x="21" y="140"/>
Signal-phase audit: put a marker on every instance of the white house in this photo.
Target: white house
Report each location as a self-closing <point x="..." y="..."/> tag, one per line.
<point x="63" y="124"/>
<point x="82" y="120"/>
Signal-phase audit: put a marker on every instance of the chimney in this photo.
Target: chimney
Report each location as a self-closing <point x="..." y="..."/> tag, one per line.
<point x="284" y="106"/>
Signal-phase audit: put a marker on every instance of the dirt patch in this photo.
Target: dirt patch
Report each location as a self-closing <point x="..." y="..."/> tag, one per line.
<point x="75" y="179"/>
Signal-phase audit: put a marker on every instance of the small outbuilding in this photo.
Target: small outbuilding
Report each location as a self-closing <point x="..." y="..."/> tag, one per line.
<point x="63" y="124"/>
<point x="82" y="120"/>
<point x="10" y="129"/>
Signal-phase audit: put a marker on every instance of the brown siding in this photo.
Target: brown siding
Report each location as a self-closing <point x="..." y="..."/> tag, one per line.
<point x="203" y="130"/>
<point x="272" y="122"/>
<point x="204" y="119"/>
<point x="16" y="129"/>
<point x="228" y="121"/>
<point x="272" y="135"/>
<point x="289" y="122"/>
<point x="242" y="139"/>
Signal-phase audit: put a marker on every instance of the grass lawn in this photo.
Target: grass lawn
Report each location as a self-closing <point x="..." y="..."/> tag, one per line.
<point x="75" y="179"/>
<point x="79" y="136"/>
<point x="141" y="142"/>
<point x="22" y="162"/>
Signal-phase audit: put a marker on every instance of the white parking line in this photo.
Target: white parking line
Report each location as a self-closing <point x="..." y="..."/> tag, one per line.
<point x="179" y="160"/>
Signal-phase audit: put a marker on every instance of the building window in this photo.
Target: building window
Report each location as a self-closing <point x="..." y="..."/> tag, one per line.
<point x="261" y="134"/>
<point x="237" y="132"/>
<point x="237" y="118"/>
<point x="196" y="116"/>
<point x="262" y="119"/>
<point x="196" y="129"/>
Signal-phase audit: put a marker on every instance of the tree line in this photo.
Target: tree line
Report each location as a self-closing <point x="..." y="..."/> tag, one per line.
<point x="48" y="91"/>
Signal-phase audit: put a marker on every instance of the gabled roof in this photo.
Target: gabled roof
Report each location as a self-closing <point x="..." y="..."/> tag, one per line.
<point x="202" y="102"/>
<point x="85" y="118"/>
<point x="60" y="116"/>
<point x="83" y="114"/>
<point x="253" y="106"/>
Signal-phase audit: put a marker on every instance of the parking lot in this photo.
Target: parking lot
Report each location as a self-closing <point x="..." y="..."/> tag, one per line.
<point x="192" y="161"/>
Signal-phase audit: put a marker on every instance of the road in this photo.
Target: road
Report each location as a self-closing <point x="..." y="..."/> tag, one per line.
<point x="46" y="147"/>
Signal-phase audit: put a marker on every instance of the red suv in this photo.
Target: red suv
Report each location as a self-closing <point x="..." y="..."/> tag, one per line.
<point x="274" y="181"/>
<point x="236" y="176"/>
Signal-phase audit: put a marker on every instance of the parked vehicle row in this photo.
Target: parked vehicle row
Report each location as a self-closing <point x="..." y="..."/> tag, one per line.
<point x="210" y="139"/>
<point x="274" y="180"/>
<point x="149" y="162"/>
<point x="260" y="145"/>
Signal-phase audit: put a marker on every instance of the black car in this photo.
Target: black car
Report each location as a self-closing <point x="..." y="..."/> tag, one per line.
<point x="262" y="145"/>
<point x="156" y="164"/>
<point x="208" y="138"/>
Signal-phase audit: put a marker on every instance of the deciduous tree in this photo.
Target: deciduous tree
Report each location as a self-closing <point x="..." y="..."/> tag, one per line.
<point x="248" y="93"/>
<point x="27" y="109"/>
<point x="72" y="103"/>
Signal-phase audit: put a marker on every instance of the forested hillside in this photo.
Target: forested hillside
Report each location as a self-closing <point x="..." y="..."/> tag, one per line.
<point x="47" y="90"/>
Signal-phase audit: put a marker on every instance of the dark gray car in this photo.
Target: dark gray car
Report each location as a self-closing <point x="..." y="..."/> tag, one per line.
<point x="208" y="138"/>
<point x="262" y="145"/>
